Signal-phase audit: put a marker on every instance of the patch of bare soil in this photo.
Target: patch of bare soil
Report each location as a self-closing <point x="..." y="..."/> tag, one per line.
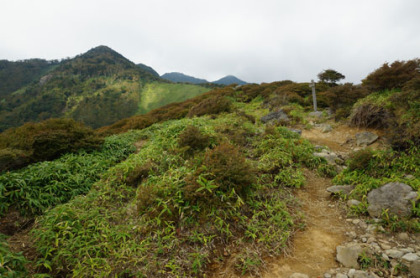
<point x="341" y="139"/>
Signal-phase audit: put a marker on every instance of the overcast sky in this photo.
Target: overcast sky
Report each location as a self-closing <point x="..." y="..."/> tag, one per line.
<point x="255" y="40"/>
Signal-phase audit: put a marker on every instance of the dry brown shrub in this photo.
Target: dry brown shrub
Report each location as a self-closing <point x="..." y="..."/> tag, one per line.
<point x="211" y="106"/>
<point x="370" y="115"/>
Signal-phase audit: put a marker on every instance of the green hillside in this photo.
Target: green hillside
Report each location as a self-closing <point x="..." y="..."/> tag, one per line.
<point x="156" y="95"/>
<point x="193" y="186"/>
<point x="97" y="88"/>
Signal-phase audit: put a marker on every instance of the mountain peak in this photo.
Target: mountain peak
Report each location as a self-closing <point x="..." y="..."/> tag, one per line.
<point x="230" y="79"/>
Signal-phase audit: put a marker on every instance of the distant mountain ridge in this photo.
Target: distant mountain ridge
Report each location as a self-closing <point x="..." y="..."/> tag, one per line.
<point x="179" y="77"/>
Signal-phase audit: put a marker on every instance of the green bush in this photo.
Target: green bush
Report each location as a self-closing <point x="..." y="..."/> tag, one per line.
<point x="405" y="130"/>
<point x="193" y="139"/>
<point x="229" y="169"/>
<point x="360" y="160"/>
<point x="224" y="171"/>
<point x="13" y="159"/>
<point x="45" y="141"/>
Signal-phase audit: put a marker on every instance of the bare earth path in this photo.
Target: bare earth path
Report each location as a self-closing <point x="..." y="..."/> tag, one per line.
<point x="313" y="249"/>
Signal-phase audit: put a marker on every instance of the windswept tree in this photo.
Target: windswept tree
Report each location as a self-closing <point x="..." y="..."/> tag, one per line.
<point x="330" y="76"/>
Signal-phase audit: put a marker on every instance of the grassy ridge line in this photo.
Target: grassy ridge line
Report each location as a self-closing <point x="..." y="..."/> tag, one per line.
<point x="164" y="212"/>
<point x="156" y="95"/>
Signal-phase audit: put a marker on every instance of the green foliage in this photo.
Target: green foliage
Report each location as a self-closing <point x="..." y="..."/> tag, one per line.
<point x="360" y="160"/>
<point x="330" y="76"/>
<point x="40" y="186"/>
<point x="44" y="141"/>
<point x="11" y="264"/>
<point x="192" y="139"/>
<point x="248" y="262"/>
<point x="392" y="76"/>
<point x="364" y="260"/>
<point x="397" y="112"/>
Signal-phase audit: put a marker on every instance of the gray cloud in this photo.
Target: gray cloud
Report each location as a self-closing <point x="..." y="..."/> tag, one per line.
<point x="258" y="41"/>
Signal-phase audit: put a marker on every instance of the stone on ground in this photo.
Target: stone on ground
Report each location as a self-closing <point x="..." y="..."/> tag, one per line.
<point x="343" y="189"/>
<point x="366" y="138"/>
<point x="395" y="197"/>
<point x="278" y="116"/>
<point x="348" y="255"/>
<point x="415" y="269"/>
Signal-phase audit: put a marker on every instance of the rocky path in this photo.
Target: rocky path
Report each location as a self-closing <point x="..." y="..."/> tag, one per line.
<point x="314" y="249"/>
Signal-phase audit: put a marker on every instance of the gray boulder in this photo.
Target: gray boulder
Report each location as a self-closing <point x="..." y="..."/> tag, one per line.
<point x="337" y="189"/>
<point x="348" y="255"/>
<point x="330" y="157"/>
<point x="415" y="269"/>
<point x="278" y="116"/>
<point x="353" y="202"/>
<point x="366" y="138"/>
<point x="396" y="197"/>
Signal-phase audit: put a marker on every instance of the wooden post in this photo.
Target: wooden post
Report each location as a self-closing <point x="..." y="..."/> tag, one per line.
<point x="312" y="85"/>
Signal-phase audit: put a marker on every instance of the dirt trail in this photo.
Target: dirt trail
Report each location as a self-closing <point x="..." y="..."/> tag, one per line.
<point x="313" y="250"/>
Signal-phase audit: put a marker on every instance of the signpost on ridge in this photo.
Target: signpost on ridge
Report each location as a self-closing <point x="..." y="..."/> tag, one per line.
<point x="312" y="85"/>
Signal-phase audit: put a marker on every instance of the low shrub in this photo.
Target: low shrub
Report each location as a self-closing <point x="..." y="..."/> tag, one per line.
<point x="360" y="160"/>
<point x="342" y="97"/>
<point x="13" y="159"/>
<point x="224" y="171"/>
<point x="192" y="139"/>
<point x="139" y="173"/>
<point x="45" y="141"/>
<point x="370" y="115"/>
<point x="211" y="106"/>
